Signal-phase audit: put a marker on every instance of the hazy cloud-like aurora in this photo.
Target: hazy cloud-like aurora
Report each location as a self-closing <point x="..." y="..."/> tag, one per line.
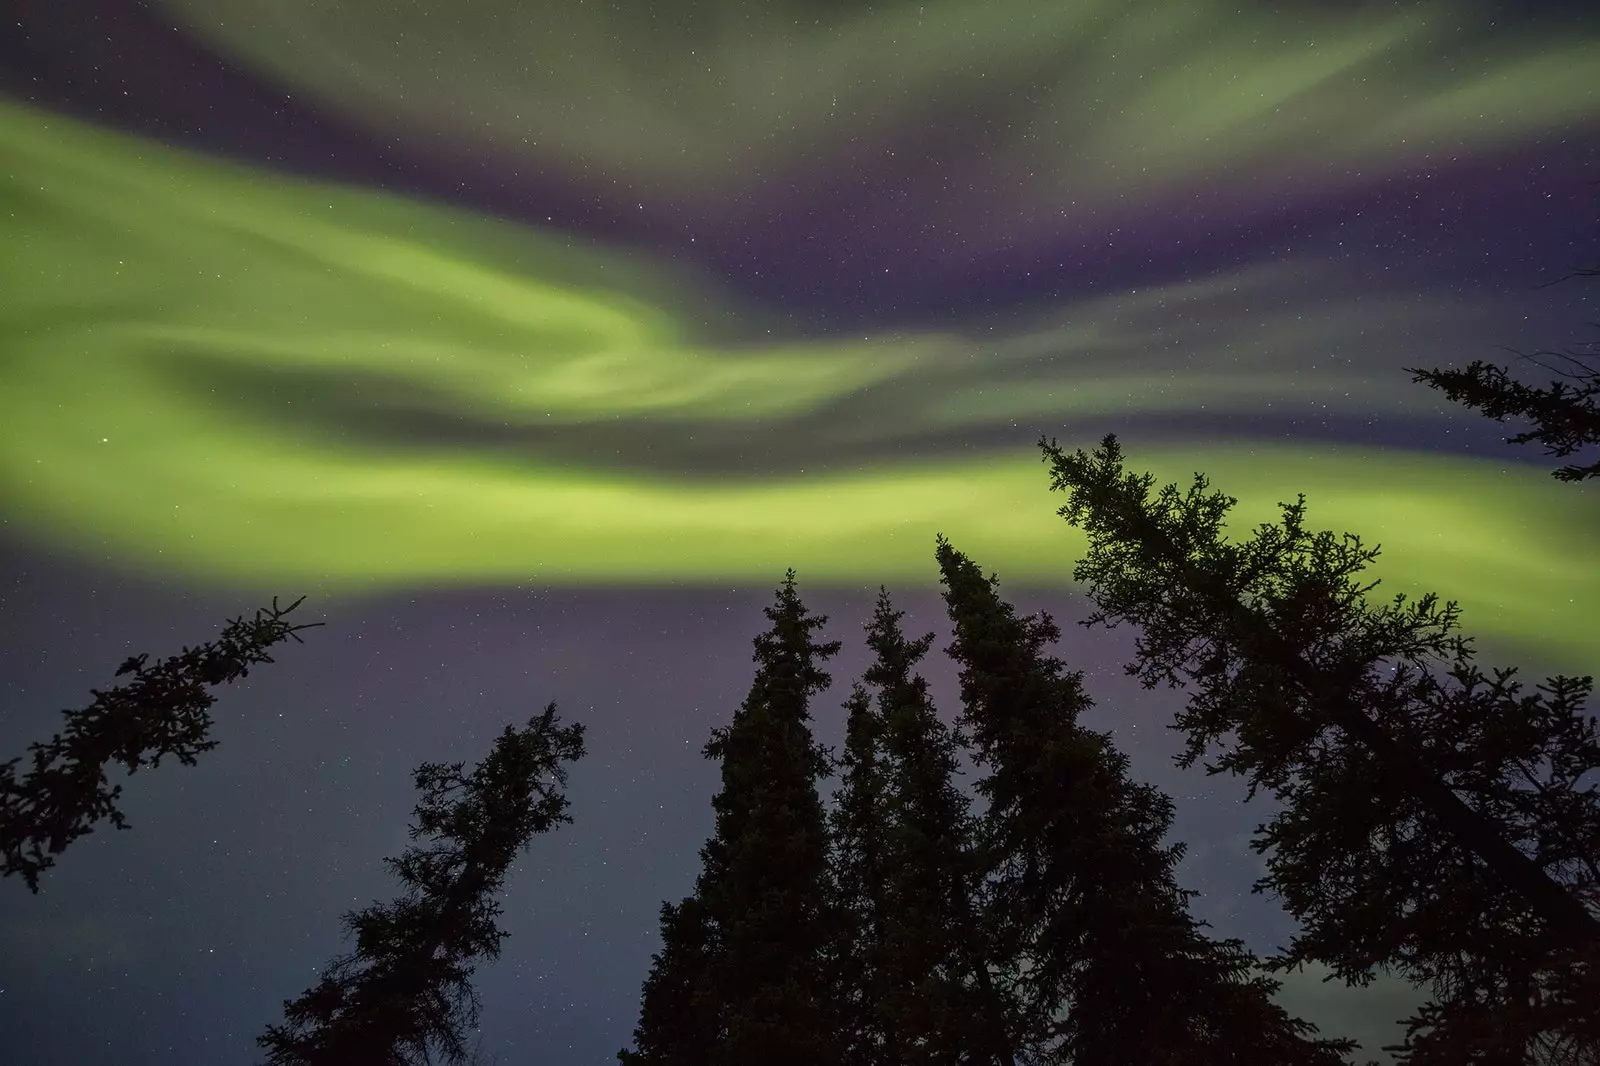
<point x="1061" y="110"/>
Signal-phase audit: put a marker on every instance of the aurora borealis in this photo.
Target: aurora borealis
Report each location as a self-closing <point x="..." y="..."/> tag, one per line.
<point x="1091" y="101"/>
<point x="370" y="300"/>
<point x="276" y="408"/>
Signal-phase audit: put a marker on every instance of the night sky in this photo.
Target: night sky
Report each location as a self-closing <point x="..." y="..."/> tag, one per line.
<point x="532" y="342"/>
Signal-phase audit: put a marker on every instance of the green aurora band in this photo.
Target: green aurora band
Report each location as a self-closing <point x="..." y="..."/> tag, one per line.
<point x="139" y="278"/>
<point x="1079" y="106"/>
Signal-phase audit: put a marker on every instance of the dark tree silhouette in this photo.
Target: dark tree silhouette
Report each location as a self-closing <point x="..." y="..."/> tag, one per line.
<point x="859" y="867"/>
<point x="1566" y="415"/>
<point x="1091" y="931"/>
<point x="758" y="921"/>
<point x="914" y="959"/>
<point x="1435" y="820"/>
<point x="164" y="710"/>
<point x="405" y="994"/>
<point x="679" y="1016"/>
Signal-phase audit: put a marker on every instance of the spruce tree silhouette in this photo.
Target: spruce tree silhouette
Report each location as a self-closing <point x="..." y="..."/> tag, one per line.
<point x="1089" y="928"/>
<point x="680" y="1015"/>
<point x="746" y="951"/>
<point x="405" y="994"/>
<point x="1565" y="415"/>
<point x="914" y="961"/>
<point x="1435" y="820"/>
<point x="859" y="871"/>
<point x="164" y="710"/>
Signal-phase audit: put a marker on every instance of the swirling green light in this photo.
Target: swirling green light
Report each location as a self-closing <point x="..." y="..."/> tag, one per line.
<point x="1089" y="104"/>
<point x="138" y="278"/>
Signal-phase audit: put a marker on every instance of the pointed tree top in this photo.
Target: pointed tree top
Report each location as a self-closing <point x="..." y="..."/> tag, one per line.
<point x="789" y="639"/>
<point x="896" y="656"/>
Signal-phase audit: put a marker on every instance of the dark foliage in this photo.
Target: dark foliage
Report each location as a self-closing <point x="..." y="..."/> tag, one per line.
<point x="757" y="964"/>
<point x="679" y="1017"/>
<point x="1434" y="823"/>
<point x="165" y="710"/>
<point x="914" y="961"/>
<point x="405" y="996"/>
<point x="1565" y="415"/>
<point x="1089" y="929"/>
<point x="859" y="881"/>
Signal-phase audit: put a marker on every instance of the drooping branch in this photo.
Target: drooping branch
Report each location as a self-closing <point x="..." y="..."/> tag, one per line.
<point x="164" y="710"/>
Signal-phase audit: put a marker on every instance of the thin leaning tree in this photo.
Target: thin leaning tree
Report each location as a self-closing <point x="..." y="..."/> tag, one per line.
<point x="164" y="710"/>
<point x="1435" y="820"/>
<point x="404" y="996"/>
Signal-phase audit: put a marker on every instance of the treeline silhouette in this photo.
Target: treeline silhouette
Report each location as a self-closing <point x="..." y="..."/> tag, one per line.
<point x="1436" y="822"/>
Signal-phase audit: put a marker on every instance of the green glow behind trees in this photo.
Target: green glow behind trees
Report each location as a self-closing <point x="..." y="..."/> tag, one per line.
<point x="200" y="361"/>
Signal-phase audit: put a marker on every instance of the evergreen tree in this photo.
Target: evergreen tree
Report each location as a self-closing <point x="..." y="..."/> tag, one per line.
<point x="757" y="965"/>
<point x="859" y="876"/>
<point x="405" y="994"/>
<point x="918" y="974"/>
<point x="164" y="710"/>
<point x="1089" y="926"/>
<point x="679" y="1017"/>
<point x="1565" y="416"/>
<point x="1435" y="821"/>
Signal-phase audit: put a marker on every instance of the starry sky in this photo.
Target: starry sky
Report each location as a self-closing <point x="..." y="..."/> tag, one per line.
<point x="532" y="342"/>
